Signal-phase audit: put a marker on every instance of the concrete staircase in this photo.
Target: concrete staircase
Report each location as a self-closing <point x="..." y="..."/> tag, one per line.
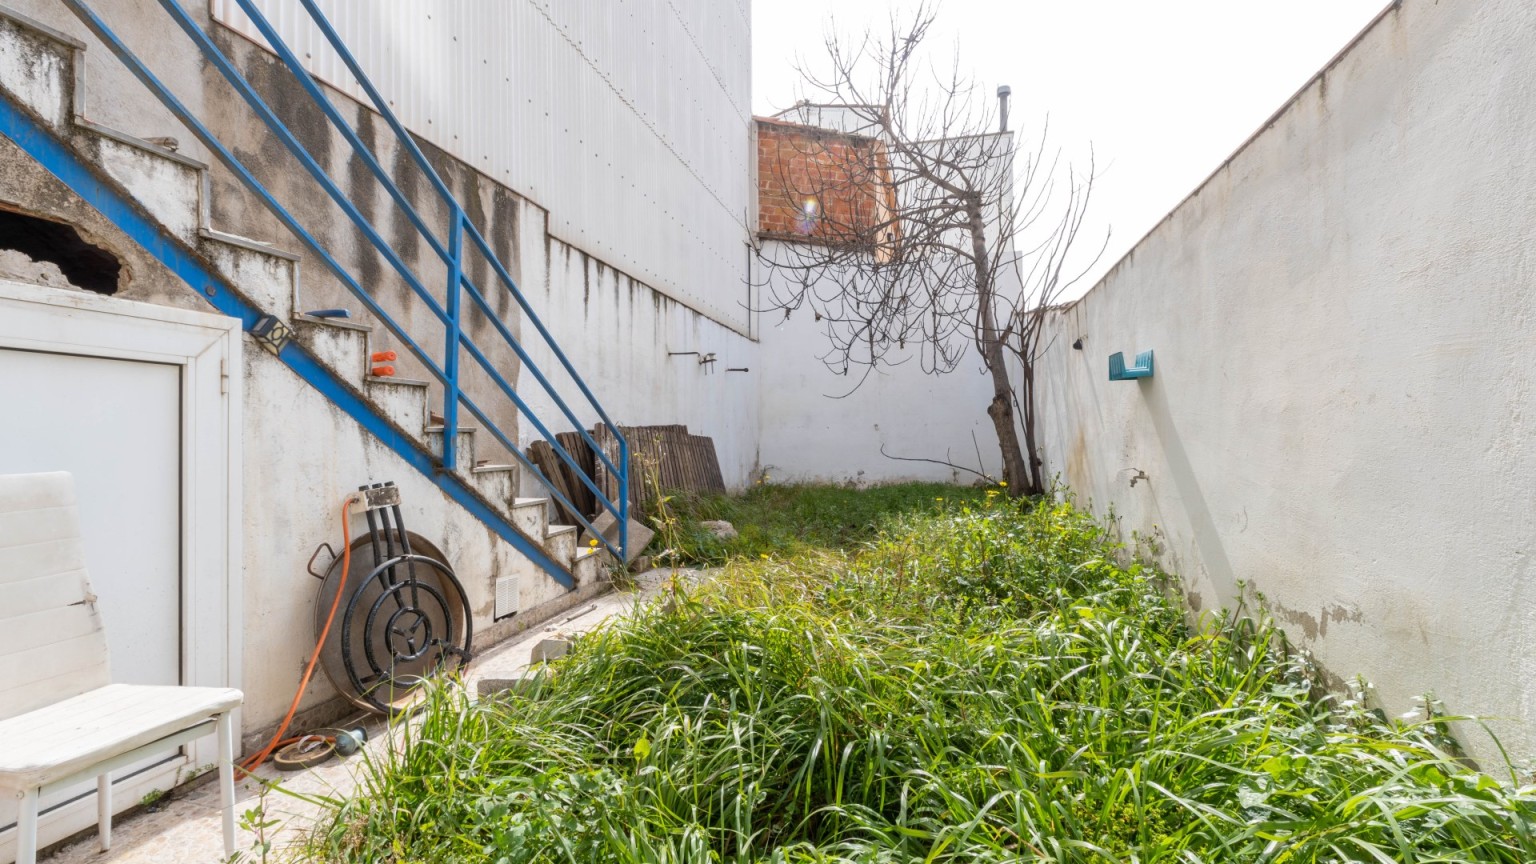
<point x="43" y="71"/>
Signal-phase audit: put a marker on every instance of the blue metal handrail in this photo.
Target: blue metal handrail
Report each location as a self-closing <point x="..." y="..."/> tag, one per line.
<point x="452" y="253"/>
<point x="404" y="137"/>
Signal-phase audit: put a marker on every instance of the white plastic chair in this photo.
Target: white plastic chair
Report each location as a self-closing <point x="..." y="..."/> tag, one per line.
<point x="61" y="719"/>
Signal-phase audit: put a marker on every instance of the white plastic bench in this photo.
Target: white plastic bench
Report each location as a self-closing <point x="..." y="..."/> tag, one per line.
<point x="61" y="719"/>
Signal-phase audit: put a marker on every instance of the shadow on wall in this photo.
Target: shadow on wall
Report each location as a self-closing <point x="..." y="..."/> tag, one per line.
<point x="1213" y="555"/>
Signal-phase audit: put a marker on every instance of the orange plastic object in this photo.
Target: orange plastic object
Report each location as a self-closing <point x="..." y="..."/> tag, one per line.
<point x="383" y="371"/>
<point x="383" y="356"/>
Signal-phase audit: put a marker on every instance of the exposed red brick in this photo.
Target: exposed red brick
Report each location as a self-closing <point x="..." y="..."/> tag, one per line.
<point x="844" y="175"/>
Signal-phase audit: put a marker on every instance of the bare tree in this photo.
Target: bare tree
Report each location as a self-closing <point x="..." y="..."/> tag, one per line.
<point x="912" y="224"/>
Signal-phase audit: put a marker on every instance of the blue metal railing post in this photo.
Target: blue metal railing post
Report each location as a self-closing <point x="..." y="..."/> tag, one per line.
<point x="623" y="497"/>
<point x="451" y="346"/>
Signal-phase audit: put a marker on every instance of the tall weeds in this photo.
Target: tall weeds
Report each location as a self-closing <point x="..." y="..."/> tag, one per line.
<point x="984" y="683"/>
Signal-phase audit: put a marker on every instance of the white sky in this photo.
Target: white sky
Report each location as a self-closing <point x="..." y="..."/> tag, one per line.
<point x="1164" y="90"/>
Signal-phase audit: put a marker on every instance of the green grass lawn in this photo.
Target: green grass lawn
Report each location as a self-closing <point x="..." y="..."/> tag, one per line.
<point x="793" y="520"/>
<point x="981" y="680"/>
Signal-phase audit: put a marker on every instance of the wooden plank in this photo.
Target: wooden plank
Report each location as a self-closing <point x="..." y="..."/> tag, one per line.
<point x="681" y="461"/>
<point x="548" y="463"/>
<point x="712" y="478"/>
<point x="576" y="446"/>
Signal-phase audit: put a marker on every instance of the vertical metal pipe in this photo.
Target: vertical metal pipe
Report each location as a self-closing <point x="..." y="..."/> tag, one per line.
<point x="451" y="346"/>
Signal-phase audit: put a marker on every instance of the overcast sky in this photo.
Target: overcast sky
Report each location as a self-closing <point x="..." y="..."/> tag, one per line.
<point x="1164" y="90"/>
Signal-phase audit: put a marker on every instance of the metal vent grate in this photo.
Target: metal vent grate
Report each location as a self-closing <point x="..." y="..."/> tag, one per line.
<point x="507" y="596"/>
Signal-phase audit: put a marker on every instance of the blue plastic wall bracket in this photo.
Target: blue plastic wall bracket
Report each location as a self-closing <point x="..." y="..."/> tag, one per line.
<point x="1118" y="371"/>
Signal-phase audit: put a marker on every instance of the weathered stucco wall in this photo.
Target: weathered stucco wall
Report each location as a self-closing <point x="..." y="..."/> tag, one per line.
<point x="1340" y="415"/>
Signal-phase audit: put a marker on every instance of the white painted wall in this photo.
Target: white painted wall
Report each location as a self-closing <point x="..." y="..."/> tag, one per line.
<point x="618" y="334"/>
<point x="1341" y="409"/>
<point x="807" y="434"/>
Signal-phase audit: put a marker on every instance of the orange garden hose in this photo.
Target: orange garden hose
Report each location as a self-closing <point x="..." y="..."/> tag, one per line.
<point x="254" y="762"/>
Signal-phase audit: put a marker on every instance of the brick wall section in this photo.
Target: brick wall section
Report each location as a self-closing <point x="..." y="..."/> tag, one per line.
<point x="844" y="175"/>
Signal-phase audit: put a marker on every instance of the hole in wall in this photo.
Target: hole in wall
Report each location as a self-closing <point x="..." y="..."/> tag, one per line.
<point x="43" y="242"/>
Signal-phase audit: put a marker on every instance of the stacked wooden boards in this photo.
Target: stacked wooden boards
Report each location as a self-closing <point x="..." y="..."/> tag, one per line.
<point x="676" y="460"/>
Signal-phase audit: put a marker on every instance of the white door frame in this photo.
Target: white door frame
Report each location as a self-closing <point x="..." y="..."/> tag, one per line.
<point x="207" y="347"/>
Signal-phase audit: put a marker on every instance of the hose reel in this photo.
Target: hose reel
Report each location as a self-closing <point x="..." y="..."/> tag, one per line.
<point x="404" y="616"/>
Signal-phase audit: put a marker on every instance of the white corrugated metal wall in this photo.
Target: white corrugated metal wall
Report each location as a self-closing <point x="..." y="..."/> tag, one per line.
<point x="628" y="120"/>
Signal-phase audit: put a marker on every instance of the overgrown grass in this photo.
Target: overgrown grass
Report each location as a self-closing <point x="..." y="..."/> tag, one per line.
<point x="984" y="683"/>
<point x="787" y="520"/>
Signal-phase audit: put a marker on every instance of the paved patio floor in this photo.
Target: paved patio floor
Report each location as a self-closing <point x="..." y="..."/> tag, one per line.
<point x="186" y="829"/>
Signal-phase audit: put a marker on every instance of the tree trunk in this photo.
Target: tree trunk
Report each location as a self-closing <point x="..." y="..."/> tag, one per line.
<point x="1016" y="473"/>
<point x="1031" y="448"/>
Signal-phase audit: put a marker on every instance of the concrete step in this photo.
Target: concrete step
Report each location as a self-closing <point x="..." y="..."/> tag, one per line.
<point x="524" y="683"/>
<point x="339" y="343"/>
<point x="496" y="482"/>
<point x="464" y="443"/>
<point x="174" y="189"/>
<point x="560" y="543"/>
<point x="168" y="184"/>
<point x="588" y="565"/>
<point x="35" y="61"/>
<point x="402" y="400"/>
<point x="267" y="276"/>
<point x="531" y="515"/>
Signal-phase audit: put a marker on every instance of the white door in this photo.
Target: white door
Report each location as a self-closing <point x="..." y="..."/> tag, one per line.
<point x="116" y="426"/>
<point x="142" y="404"/>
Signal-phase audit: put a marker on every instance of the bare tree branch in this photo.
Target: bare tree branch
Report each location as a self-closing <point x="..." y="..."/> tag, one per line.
<point x="905" y="223"/>
<point x="936" y="462"/>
